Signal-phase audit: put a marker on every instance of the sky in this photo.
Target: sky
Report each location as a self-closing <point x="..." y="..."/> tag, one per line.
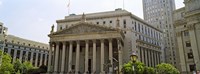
<point x="32" y="19"/>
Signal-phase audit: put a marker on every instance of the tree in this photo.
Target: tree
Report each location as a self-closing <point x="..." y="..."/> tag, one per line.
<point x="6" y="66"/>
<point x="138" y="67"/>
<point x="149" y="70"/>
<point x="165" y="68"/>
<point x="22" y="67"/>
<point x="27" y="66"/>
<point x="18" y="66"/>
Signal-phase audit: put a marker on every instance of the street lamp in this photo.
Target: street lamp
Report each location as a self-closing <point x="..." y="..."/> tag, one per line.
<point x="133" y="59"/>
<point x="4" y="41"/>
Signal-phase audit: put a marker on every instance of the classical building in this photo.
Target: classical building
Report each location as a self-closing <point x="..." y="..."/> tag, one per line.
<point x="187" y="26"/>
<point x="159" y="14"/>
<point x="102" y="43"/>
<point x="23" y="49"/>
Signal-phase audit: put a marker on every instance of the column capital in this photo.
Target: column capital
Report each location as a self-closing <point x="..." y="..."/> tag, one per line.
<point x="77" y="41"/>
<point x="63" y="42"/>
<point x="70" y="42"/>
<point x="94" y="41"/>
<point x="86" y="41"/>
<point x="110" y="39"/>
<point x="190" y="27"/>
<point x="102" y="40"/>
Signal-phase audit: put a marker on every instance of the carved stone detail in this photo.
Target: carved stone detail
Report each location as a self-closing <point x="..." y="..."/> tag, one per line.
<point x="191" y="27"/>
<point x="178" y="34"/>
<point x="80" y="29"/>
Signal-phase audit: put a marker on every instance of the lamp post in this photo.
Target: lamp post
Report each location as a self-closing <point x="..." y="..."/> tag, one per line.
<point x="133" y="59"/>
<point x="4" y="36"/>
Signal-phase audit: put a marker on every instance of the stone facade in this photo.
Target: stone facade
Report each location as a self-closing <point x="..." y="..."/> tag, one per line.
<point x="159" y="14"/>
<point x="105" y="39"/>
<point x="187" y="26"/>
<point x="25" y="50"/>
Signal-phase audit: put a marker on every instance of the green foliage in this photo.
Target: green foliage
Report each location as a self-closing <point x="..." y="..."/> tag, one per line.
<point x="18" y="72"/>
<point x="6" y="66"/>
<point x="27" y="66"/>
<point x="138" y="68"/>
<point x="22" y="67"/>
<point x="127" y="68"/>
<point x="165" y="68"/>
<point x="18" y="66"/>
<point x="150" y="70"/>
<point x="42" y="69"/>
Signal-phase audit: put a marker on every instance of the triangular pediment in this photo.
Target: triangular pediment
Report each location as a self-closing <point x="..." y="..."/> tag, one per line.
<point x="84" y="27"/>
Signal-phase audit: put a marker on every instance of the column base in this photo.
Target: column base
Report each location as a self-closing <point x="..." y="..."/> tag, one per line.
<point x="94" y="72"/>
<point x="86" y="73"/>
<point x="102" y="72"/>
<point x="62" y="72"/>
<point x="78" y="73"/>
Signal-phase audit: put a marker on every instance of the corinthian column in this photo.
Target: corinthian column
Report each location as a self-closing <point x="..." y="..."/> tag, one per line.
<point x="102" y="56"/>
<point x="50" y="57"/>
<point x="41" y="59"/>
<point x="31" y="56"/>
<point x="77" y="56"/>
<point x="15" y="54"/>
<point x="21" y="54"/>
<point x="36" y="60"/>
<point x="56" y="58"/>
<point x="70" y="57"/>
<point x="63" y="58"/>
<point x="94" y="56"/>
<point x="86" y="55"/>
<point x="110" y="55"/>
<point x="120" y="55"/>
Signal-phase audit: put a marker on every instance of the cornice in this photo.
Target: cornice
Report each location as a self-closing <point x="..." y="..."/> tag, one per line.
<point x="180" y="22"/>
<point x="147" y="43"/>
<point x="178" y="34"/>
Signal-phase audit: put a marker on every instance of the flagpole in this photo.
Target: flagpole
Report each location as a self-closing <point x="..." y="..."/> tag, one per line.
<point x="68" y="5"/>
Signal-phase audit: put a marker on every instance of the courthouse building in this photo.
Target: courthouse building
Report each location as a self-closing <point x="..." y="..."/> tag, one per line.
<point x="187" y="26"/>
<point x="102" y="42"/>
<point x="23" y="49"/>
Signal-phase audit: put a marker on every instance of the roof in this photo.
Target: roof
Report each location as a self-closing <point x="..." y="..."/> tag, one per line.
<point x="106" y="14"/>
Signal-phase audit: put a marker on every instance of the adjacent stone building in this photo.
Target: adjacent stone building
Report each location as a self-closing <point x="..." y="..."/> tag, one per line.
<point x="187" y="27"/>
<point x="102" y="42"/>
<point x="159" y="14"/>
<point x="23" y="49"/>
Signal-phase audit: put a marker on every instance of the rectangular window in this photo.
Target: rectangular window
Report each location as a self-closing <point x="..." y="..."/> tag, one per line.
<point x="192" y="68"/>
<point x="135" y="27"/>
<point x="188" y="44"/>
<point x="124" y="23"/>
<point x="110" y="21"/>
<point x="139" y="27"/>
<point x="186" y="33"/>
<point x="97" y="22"/>
<point x="104" y="22"/>
<point x="190" y="55"/>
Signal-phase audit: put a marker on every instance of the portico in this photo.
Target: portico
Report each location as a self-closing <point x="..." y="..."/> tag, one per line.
<point x="85" y="48"/>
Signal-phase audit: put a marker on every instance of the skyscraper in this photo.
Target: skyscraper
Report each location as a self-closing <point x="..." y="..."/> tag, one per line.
<point x="159" y="14"/>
